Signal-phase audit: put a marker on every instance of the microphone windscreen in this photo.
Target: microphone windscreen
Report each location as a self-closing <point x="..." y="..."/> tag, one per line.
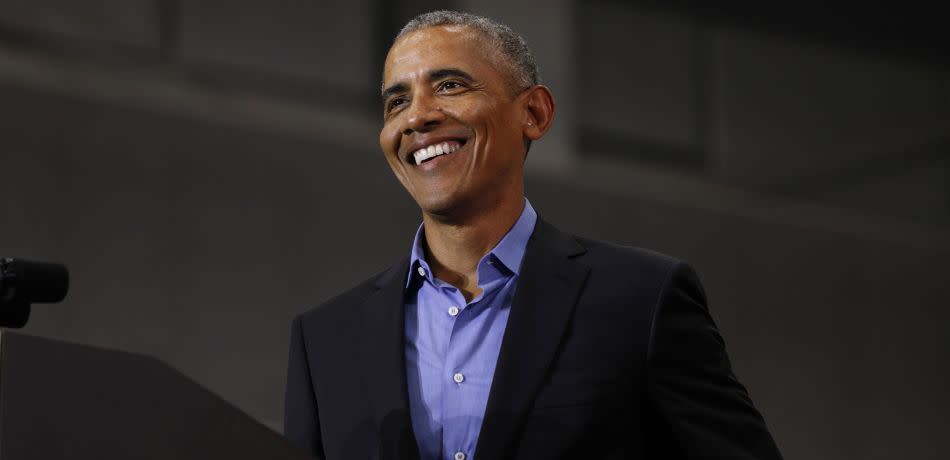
<point x="38" y="282"/>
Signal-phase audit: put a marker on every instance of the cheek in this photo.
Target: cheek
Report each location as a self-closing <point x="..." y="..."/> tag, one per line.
<point x="502" y="135"/>
<point x="389" y="141"/>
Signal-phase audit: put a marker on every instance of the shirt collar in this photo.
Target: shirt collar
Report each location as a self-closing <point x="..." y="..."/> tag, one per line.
<point x="509" y="251"/>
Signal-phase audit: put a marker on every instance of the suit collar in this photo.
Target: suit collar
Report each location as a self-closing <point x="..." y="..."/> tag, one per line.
<point x="383" y="365"/>
<point x="547" y="237"/>
<point x="550" y="284"/>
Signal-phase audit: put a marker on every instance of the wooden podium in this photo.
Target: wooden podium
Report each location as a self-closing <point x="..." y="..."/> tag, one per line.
<point x="66" y="401"/>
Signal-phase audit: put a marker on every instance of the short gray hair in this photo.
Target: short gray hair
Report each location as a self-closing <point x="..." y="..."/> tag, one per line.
<point x="524" y="69"/>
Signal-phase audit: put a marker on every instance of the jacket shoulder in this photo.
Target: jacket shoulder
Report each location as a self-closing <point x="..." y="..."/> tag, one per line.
<point x="636" y="266"/>
<point x="606" y="253"/>
<point x="346" y="302"/>
<point x="640" y="266"/>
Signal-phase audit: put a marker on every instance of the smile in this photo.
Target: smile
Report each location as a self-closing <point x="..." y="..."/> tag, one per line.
<point x="427" y="153"/>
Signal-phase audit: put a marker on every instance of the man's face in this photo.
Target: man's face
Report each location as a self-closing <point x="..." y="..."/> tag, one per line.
<point x="444" y="92"/>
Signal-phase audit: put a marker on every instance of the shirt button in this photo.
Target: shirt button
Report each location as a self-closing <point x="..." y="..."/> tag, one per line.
<point x="453" y="310"/>
<point x="459" y="378"/>
<point x="422" y="271"/>
<point x="460" y="456"/>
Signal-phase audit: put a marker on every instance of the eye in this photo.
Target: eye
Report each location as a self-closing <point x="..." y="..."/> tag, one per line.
<point x="450" y="85"/>
<point x="395" y="103"/>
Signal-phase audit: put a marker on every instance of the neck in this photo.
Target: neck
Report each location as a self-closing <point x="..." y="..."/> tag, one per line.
<point x="454" y="248"/>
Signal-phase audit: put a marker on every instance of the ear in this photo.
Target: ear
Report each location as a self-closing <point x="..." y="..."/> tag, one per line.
<point x="539" y="111"/>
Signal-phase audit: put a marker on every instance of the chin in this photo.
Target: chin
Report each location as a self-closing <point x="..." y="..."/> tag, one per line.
<point x="444" y="206"/>
<point x="438" y="207"/>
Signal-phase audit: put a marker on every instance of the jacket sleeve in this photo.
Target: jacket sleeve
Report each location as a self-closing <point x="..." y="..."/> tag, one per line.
<point x="691" y="385"/>
<point x="301" y="420"/>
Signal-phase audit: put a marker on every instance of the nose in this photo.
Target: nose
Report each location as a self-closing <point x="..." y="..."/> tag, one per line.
<point x="424" y="114"/>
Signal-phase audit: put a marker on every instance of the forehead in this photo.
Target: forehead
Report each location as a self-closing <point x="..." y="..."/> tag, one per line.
<point x="421" y="51"/>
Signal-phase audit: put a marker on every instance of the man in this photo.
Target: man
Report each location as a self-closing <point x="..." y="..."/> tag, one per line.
<point x="500" y="336"/>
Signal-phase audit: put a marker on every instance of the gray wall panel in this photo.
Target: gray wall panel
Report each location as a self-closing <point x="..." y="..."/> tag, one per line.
<point x="326" y="42"/>
<point x="102" y="22"/>
<point x="636" y="74"/>
<point x="788" y="111"/>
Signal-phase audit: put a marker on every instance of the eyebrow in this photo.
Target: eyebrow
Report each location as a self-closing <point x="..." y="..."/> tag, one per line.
<point x="394" y="89"/>
<point x="434" y="75"/>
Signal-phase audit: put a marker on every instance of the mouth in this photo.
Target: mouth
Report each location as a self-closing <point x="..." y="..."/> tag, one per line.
<point x="435" y="150"/>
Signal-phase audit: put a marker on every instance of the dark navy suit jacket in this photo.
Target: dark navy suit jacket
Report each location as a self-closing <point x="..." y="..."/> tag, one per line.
<point x="609" y="353"/>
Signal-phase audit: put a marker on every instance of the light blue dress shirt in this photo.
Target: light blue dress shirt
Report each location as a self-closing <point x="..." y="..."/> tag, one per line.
<point x="452" y="345"/>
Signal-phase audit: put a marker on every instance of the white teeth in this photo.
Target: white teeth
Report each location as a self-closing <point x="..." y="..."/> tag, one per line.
<point x="425" y="153"/>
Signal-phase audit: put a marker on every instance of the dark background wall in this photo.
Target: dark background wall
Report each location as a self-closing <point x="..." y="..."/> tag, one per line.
<point x="209" y="169"/>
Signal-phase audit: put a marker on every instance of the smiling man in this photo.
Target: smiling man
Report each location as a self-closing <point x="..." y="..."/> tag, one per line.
<point x="500" y="336"/>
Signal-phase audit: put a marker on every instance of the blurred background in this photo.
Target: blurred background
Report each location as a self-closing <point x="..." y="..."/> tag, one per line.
<point x="209" y="169"/>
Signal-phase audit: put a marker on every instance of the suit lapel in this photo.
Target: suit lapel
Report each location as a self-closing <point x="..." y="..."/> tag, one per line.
<point x="548" y="288"/>
<point x="383" y="365"/>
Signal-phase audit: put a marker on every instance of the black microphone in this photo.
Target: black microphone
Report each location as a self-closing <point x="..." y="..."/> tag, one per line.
<point x="23" y="283"/>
